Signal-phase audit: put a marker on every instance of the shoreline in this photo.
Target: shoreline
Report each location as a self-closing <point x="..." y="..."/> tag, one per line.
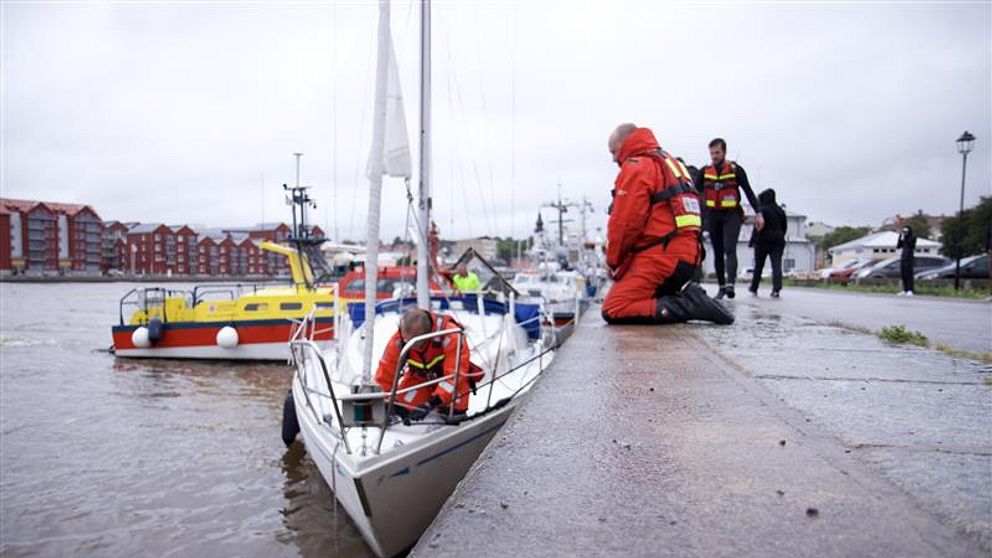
<point x="144" y="279"/>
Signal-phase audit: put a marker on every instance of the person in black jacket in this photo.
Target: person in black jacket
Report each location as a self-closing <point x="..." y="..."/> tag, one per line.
<point x="769" y="242"/>
<point x="907" y="242"/>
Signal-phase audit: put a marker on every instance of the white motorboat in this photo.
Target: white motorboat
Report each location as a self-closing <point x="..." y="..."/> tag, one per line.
<point x="562" y="294"/>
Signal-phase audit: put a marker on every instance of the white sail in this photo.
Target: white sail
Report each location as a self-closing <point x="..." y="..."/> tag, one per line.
<point x="376" y="169"/>
<point x="396" y="149"/>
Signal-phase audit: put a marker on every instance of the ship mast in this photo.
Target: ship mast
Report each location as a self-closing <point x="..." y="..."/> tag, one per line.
<point x="424" y="203"/>
<point x="376" y="169"/>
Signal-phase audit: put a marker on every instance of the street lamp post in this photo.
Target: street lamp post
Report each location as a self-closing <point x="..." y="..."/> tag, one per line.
<point x="965" y="143"/>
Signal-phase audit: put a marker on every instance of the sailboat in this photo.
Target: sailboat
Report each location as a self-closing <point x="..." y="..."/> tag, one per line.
<point x="392" y="477"/>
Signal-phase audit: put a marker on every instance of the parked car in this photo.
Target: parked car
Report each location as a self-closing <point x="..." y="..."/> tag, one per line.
<point x="855" y="263"/>
<point x="844" y="275"/>
<point x="972" y="267"/>
<point x="889" y="267"/>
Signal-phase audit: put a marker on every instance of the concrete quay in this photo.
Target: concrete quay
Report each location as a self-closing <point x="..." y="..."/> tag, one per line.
<point x="777" y="436"/>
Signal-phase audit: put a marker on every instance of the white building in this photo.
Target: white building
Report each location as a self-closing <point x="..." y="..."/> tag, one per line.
<point x="877" y="246"/>
<point x="799" y="254"/>
<point x="818" y="229"/>
<point x="486" y="247"/>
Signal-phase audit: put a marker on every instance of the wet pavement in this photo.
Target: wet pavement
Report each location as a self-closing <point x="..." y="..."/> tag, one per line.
<point x="962" y="324"/>
<point x="778" y="436"/>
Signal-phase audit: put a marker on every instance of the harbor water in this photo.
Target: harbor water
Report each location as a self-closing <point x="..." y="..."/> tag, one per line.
<point x="114" y="457"/>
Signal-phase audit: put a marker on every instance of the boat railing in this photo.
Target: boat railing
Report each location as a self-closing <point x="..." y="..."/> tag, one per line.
<point x="306" y="327"/>
<point x="228" y="291"/>
<point x="303" y="350"/>
<point x="149" y="298"/>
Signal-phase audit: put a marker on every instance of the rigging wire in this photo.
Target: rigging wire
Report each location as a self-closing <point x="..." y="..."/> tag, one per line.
<point x="484" y="122"/>
<point x="513" y="121"/>
<point x="361" y="141"/>
<point x="334" y="124"/>
<point x="474" y="163"/>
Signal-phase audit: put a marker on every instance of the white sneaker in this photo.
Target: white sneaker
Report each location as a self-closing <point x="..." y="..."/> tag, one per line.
<point x="901" y="293"/>
<point x="909" y="293"/>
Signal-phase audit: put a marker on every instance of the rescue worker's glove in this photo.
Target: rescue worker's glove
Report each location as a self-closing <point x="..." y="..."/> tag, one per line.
<point x="424" y="409"/>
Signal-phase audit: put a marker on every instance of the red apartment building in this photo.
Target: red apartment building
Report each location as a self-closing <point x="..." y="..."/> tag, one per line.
<point x="5" y="264"/>
<point x="45" y="236"/>
<point x="185" y="248"/>
<point x="69" y="238"/>
<point x="114" y="246"/>
<point x="208" y="254"/>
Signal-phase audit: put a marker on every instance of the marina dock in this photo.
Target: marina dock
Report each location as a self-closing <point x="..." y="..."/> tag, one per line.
<point x="778" y="436"/>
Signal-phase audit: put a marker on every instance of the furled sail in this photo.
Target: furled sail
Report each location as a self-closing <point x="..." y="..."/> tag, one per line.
<point x="396" y="151"/>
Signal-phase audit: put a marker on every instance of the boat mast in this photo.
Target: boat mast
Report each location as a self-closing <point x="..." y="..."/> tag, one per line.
<point x="376" y="169"/>
<point x="424" y="206"/>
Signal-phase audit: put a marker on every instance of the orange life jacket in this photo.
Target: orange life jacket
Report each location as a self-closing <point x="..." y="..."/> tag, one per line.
<point x="720" y="188"/>
<point x="428" y="364"/>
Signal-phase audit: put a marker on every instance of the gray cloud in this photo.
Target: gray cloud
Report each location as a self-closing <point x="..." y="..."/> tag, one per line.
<point x="188" y="113"/>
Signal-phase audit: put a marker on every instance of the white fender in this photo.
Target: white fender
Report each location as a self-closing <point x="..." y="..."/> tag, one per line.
<point x="139" y="338"/>
<point x="227" y="337"/>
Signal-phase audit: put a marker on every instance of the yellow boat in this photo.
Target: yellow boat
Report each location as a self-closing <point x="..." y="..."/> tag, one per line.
<point x="228" y="322"/>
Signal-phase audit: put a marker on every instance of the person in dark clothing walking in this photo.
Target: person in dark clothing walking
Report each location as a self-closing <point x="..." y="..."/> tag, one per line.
<point x="907" y="242"/>
<point x="769" y="242"/>
<point x="722" y="182"/>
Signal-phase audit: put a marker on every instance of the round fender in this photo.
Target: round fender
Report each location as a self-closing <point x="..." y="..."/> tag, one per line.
<point x="139" y="337"/>
<point x="155" y="330"/>
<point x="227" y="337"/>
<point x="290" y="424"/>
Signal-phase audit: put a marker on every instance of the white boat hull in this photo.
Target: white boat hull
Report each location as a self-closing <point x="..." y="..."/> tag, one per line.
<point x="393" y="498"/>
<point x="247" y="351"/>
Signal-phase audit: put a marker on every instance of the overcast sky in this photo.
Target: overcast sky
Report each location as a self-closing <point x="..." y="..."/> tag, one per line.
<point x="189" y="113"/>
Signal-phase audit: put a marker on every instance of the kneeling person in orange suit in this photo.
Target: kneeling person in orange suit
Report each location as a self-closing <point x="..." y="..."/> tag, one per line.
<point x="428" y="360"/>
<point x="653" y="246"/>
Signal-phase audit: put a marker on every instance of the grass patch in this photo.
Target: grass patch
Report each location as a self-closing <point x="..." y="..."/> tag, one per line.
<point x="898" y="334"/>
<point x="961" y="353"/>
<point x="921" y="289"/>
<point x="856" y="329"/>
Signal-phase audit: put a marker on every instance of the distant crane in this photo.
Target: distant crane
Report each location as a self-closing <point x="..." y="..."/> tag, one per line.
<point x="562" y="205"/>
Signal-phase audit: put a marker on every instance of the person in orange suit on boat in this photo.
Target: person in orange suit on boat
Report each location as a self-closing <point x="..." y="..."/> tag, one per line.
<point x="653" y="246"/>
<point x="430" y="359"/>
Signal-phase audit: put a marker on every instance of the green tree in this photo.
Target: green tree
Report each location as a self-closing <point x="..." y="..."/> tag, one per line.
<point x="840" y="235"/>
<point x="507" y="247"/>
<point x="971" y="228"/>
<point x="919" y="224"/>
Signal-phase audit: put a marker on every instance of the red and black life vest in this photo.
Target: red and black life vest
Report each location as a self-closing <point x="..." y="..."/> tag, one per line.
<point x="674" y="205"/>
<point x="428" y="364"/>
<point x="720" y="187"/>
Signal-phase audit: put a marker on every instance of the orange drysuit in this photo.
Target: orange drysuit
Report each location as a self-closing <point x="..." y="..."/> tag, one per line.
<point x="436" y="358"/>
<point x="651" y="249"/>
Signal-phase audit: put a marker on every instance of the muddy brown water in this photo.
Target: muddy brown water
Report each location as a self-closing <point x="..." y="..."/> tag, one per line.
<point x="116" y="457"/>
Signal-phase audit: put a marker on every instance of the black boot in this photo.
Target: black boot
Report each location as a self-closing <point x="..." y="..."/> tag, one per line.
<point x="701" y="307"/>
<point x="720" y="292"/>
<point x="672" y="309"/>
<point x="692" y="304"/>
<point x="730" y="291"/>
